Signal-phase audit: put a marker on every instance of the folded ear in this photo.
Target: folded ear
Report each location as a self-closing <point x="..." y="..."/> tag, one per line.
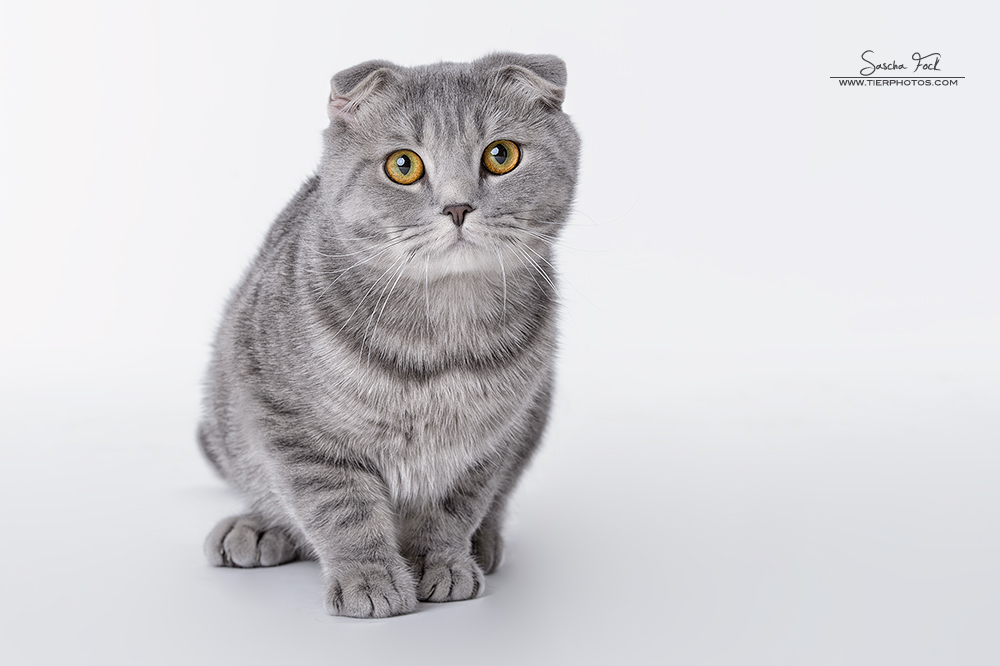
<point x="541" y="77"/>
<point x="350" y="88"/>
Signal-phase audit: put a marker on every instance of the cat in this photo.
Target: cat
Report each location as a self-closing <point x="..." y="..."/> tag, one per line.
<point x="383" y="372"/>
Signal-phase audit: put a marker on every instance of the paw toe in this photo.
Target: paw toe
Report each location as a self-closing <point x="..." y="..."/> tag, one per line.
<point x="451" y="581"/>
<point x="241" y="545"/>
<point x="214" y="550"/>
<point x="275" y="548"/>
<point x="241" y="541"/>
<point x="371" y="590"/>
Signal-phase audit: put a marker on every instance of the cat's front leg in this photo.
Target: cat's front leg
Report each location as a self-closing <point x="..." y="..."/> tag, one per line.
<point x="437" y="539"/>
<point x="342" y="505"/>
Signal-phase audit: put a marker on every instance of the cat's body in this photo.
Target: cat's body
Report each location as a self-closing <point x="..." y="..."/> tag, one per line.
<point x="383" y="371"/>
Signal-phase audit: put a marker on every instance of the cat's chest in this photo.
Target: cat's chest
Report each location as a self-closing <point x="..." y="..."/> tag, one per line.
<point x="447" y="426"/>
<point x="426" y="435"/>
<point x="426" y="429"/>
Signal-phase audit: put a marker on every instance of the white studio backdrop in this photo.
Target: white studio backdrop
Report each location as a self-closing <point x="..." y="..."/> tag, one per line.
<point x="775" y="438"/>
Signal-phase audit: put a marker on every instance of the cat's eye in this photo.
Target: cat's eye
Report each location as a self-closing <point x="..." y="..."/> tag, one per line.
<point x="404" y="166"/>
<point x="501" y="156"/>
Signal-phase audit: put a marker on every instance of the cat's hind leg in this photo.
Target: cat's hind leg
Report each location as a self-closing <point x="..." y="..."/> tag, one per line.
<point x="244" y="541"/>
<point x="487" y="542"/>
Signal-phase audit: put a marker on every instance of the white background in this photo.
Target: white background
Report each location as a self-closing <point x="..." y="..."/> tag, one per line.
<point x="776" y="432"/>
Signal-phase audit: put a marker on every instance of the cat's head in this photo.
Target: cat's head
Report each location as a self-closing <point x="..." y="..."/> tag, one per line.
<point x="450" y="167"/>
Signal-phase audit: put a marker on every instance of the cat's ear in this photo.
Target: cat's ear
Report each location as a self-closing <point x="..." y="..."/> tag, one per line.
<point x="350" y="88"/>
<point x="541" y="77"/>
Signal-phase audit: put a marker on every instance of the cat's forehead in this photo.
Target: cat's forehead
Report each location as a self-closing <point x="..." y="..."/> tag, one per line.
<point x="443" y="82"/>
<point x="451" y="102"/>
<point x="378" y="105"/>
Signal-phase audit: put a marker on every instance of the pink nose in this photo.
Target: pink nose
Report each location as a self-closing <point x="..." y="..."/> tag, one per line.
<point x="458" y="212"/>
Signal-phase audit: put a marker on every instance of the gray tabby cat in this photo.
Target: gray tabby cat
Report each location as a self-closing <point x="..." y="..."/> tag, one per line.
<point x="383" y="371"/>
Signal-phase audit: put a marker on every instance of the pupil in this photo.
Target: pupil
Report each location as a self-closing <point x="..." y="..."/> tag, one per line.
<point x="499" y="153"/>
<point x="404" y="164"/>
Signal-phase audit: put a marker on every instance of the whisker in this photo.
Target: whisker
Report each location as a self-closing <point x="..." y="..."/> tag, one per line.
<point x="556" y="240"/>
<point x="391" y="234"/>
<point x="375" y="252"/>
<point x="584" y="296"/>
<point x="427" y="291"/>
<point x="570" y="314"/>
<point x="365" y="238"/>
<point x="569" y="246"/>
<point x="506" y="225"/>
<point x="550" y="238"/>
<point x="363" y="261"/>
<point x="539" y="268"/>
<point x="402" y="270"/>
<point x="347" y="254"/>
<point x="365" y="297"/>
<point x="503" y="275"/>
<point x="521" y="256"/>
<point x="630" y="208"/>
<point x="350" y="254"/>
<point x="404" y="262"/>
<point x="578" y="211"/>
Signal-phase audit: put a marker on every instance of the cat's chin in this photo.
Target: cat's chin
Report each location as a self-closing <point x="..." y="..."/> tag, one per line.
<point x="464" y="257"/>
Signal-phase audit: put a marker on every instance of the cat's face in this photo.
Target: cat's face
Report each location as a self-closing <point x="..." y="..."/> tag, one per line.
<point x="450" y="168"/>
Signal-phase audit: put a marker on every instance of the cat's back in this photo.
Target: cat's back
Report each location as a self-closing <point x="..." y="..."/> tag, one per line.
<point x="242" y="357"/>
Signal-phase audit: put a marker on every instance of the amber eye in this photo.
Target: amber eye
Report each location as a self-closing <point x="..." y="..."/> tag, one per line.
<point x="501" y="156"/>
<point x="404" y="166"/>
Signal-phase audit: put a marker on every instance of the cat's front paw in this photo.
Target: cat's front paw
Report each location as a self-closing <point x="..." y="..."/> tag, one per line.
<point x="455" y="579"/>
<point x="371" y="589"/>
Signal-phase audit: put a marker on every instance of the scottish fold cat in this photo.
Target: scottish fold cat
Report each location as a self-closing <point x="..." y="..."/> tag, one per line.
<point x="383" y="371"/>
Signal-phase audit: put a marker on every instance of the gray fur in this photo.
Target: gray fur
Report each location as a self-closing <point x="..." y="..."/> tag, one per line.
<point x="377" y="389"/>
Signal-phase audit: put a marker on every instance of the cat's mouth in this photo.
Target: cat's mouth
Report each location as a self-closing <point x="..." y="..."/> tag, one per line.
<point x="461" y="254"/>
<point x="453" y="249"/>
<point x="462" y="244"/>
<point x="461" y="241"/>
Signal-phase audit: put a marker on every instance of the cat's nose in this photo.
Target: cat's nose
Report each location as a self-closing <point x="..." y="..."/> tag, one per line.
<point x="458" y="212"/>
